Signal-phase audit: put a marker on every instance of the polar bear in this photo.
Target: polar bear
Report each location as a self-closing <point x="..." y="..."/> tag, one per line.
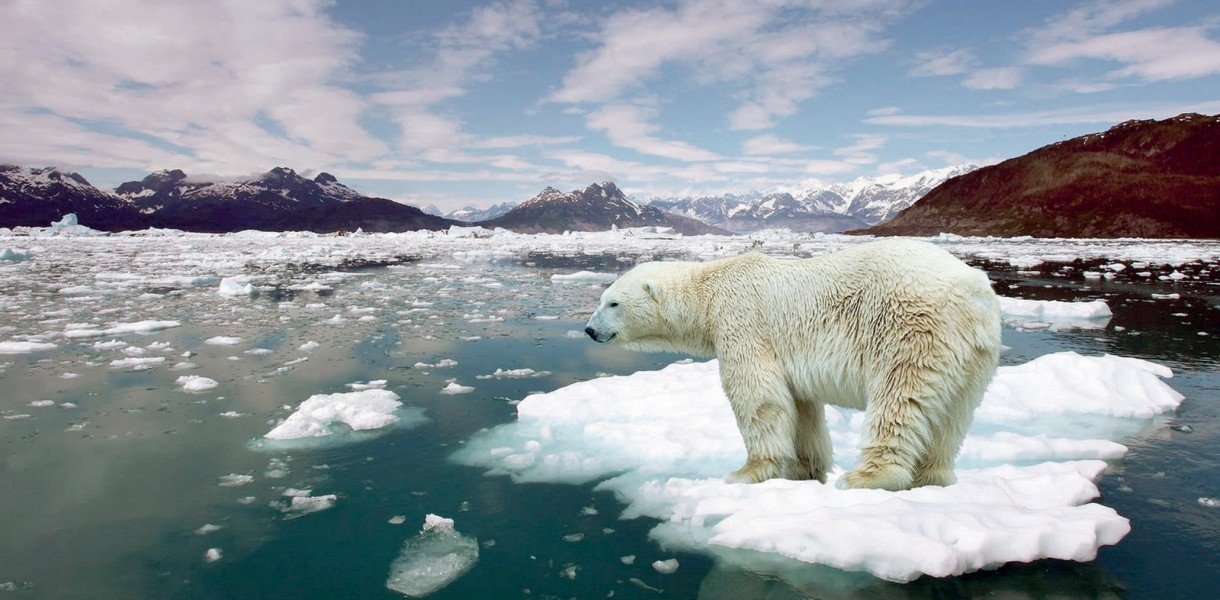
<point x="898" y="328"/>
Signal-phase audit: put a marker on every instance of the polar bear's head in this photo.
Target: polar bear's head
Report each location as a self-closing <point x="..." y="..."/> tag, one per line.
<point x="632" y="310"/>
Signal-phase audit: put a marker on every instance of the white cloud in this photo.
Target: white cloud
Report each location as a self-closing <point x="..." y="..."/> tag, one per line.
<point x="630" y="126"/>
<point x="996" y="78"/>
<point x="154" y="70"/>
<point x="772" y="55"/>
<point x="1103" y="114"/>
<point x="861" y="152"/>
<point x="883" y="111"/>
<point x="519" y="141"/>
<point x="768" y="144"/>
<point x="1155" y="54"/>
<point x="933" y="63"/>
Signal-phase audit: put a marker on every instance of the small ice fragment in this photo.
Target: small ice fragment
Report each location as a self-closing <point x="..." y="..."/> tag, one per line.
<point x="309" y="346"/>
<point x="231" y="414"/>
<point x="223" y="340"/>
<point x="295" y="493"/>
<point x="234" y="480"/>
<point x="42" y="403"/>
<point x="367" y="409"/>
<point x="588" y="511"/>
<point x="195" y="383"/>
<point x="583" y="277"/>
<point x="1166" y="296"/>
<point x="397" y="520"/>
<point x="1209" y="502"/>
<point x="208" y="528"/>
<point x="212" y="555"/>
<point x="456" y="388"/>
<point x="303" y="505"/>
<point x="569" y="572"/>
<point x="627" y="560"/>
<point x="574" y="537"/>
<point x="24" y="347"/>
<point x="665" y="567"/>
<point x="235" y="287"/>
<point x="432" y="559"/>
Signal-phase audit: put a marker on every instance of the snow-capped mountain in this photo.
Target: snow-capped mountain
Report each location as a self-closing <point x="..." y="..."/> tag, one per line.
<point x="471" y="214"/>
<point x="38" y="196"/>
<point x="813" y="206"/>
<point x="596" y="208"/>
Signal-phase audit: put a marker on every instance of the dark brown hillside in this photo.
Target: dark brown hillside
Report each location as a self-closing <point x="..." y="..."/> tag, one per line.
<point x="1138" y="179"/>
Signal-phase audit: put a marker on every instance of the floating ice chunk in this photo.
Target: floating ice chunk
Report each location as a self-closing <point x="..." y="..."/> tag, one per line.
<point x="212" y="555"/>
<point x="222" y="340"/>
<point x="137" y="363"/>
<point x="24" y="347"/>
<point x="456" y="388"/>
<point x="666" y="567"/>
<point x="374" y="384"/>
<point x="397" y="520"/>
<point x="195" y="383"/>
<point x="234" y="480"/>
<point x="663" y="441"/>
<point x="208" y="528"/>
<point x="236" y="287"/>
<point x="1058" y="314"/>
<point x="309" y="346"/>
<point x="432" y="559"/>
<point x="443" y="363"/>
<point x="584" y="277"/>
<point x="304" y="505"/>
<point x="1209" y="502"/>
<point x="1166" y="296"/>
<point x="42" y="403"/>
<point x="122" y="328"/>
<point x="366" y="409"/>
<point x="515" y="374"/>
<point x="627" y="560"/>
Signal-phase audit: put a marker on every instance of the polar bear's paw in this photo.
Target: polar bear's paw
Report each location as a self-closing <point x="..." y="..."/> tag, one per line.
<point x="887" y="477"/>
<point x="757" y="470"/>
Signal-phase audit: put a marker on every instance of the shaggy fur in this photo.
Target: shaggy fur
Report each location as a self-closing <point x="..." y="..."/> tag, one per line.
<point x="898" y="328"/>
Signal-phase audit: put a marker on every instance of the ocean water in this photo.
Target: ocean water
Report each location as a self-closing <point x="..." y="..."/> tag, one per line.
<point x="104" y="489"/>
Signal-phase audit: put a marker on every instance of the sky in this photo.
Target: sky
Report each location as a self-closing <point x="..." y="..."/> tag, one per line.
<point x="456" y="102"/>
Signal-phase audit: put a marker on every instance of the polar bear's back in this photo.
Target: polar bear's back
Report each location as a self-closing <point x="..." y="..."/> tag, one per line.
<point x="841" y="320"/>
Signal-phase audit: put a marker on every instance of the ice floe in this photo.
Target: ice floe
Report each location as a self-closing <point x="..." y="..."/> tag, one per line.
<point x="663" y="440"/>
<point x="196" y="383"/>
<point x="366" y="409"/>
<point x="121" y="328"/>
<point x="584" y="277"/>
<point x="236" y="287"/>
<point x="454" y="388"/>
<point x="432" y="559"/>
<point x="222" y="340"/>
<point x="1054" y="314"/>
<point x="15" y="347"/>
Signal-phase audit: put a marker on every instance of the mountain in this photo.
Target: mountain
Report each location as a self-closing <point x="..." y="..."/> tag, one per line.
<point x="813" y="206"/>
<point x="1137" y="179"/>
<point x="471" y="214"/>
<point x="278" y="200"/>
<point x="35" y="197"/>
<point x="595" y="208"/>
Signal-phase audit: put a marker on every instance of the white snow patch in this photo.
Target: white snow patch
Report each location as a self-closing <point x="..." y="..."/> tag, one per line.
<point x="196" y="383"/>
<point x="663" y="441"/>
<point x="11" y="347"/>
<point x="360" y="410"/>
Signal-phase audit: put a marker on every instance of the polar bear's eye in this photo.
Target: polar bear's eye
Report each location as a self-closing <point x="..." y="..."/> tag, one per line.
<point x="613" y="304"/>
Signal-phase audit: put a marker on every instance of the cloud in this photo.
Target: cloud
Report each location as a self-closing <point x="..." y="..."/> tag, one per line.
<point x="996" y="78"/>
<point x="934" y="63"/>
<point x="861" y="152"/>
<point x="630" y="126"/>
<point x="772" y="55"/>
<point x="1155" y="54"/>
<point x="1085" y="115"/>
<point x="519" y="141"/>
<point x="768" y="144"/>
<point x="200" y="95"/>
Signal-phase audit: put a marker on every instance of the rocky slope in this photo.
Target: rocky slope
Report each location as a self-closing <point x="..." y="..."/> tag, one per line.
<point x="595" y="208"/>
<point x="37" y="196"/>
<point x="1137" y="179"/>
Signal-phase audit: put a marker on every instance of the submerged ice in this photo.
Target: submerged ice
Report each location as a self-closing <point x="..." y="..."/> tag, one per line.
<point x="432" y="559"/>
<point x="663" y="440"/>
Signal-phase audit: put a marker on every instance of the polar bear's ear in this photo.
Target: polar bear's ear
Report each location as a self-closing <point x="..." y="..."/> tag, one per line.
<point x="652" y="288"/>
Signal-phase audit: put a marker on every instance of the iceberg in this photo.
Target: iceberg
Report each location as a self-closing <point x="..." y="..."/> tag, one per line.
<point x="432" y="559"/>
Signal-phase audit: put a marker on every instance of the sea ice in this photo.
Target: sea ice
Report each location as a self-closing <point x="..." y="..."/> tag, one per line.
<point x="234" y="480"/>
<point x="663" y="441"/>
<point x="514" y="374"/>
<point x="432" y="559"/>
<point x="137" y="363"/>
<point x="195" y="383"/>
<point x="121" y="328"/>
<point x="24" y="347"/>
<point x="236" y="287"/>
<point x="1057" y="314"/>
<point x="223" y="340"/>
<point x="453" y="388"/>
<point x="13" y="256"/>
<point x="366" y="409"/>
<point x="584" y="277"/>
<point x="666" y="567"/>
<point x="212" y="555"/>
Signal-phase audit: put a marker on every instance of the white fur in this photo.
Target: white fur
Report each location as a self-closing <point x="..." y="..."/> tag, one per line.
<point x="898" y="328"/>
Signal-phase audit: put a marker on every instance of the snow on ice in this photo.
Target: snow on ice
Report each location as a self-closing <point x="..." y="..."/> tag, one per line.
<point x="663" y="440"/>
<point x="366" y="409"/>
<point x="432" y="559"/>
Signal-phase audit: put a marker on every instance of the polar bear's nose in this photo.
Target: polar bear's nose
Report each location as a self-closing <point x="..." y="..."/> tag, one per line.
<point x="591" y="332"/>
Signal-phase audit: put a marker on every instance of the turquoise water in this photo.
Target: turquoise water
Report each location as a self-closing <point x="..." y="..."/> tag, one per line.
<point x="104" y="499"/>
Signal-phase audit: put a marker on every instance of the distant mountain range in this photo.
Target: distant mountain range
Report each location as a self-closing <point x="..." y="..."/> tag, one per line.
<point x="813" y="206"/>
<point x="278" y="200"/>
<point x="596" y="208"/>
<point x="472" y="214"/>
<point x="1137" y="179"/>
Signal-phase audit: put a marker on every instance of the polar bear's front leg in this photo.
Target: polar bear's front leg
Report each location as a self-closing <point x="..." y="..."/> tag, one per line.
<point x="766" y="416"/>
<point x="813" y="446"/>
